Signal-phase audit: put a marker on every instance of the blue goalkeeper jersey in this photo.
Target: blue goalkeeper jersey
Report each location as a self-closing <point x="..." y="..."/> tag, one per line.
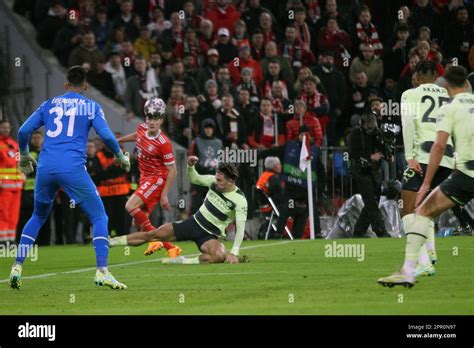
<point x="67" y="120"/>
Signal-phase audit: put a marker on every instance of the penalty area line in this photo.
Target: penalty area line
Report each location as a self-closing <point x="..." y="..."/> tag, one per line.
<point x="38" y="276"/>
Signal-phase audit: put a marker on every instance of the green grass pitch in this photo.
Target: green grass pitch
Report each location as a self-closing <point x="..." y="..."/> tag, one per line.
<point x="281" y="277"/>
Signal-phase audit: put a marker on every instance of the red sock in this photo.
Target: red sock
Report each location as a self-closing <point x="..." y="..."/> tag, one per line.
<point x="168" y="245"/>
<point x="141" y="220"/>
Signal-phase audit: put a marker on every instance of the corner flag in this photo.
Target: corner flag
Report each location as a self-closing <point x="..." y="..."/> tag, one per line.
<point x="305" y="165"/>
<point x="305" y="154"/>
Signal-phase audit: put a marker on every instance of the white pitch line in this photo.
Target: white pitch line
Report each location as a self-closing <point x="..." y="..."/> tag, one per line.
<point x="138" y="262"/>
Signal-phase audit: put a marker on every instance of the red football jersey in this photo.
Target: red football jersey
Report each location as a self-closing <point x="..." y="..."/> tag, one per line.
<point x="154" y="153"/>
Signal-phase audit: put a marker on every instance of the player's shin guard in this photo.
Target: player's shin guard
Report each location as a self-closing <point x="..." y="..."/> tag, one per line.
<point x="417" y="229"/>
<point x="31" y="229"/>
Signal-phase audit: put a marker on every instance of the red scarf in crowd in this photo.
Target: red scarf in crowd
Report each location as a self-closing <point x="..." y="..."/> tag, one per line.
<point x="372" y="38"/>
<point x="302" y="34"/>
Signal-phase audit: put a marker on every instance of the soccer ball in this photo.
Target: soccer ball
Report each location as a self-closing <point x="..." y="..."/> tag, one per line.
<point x="154" y="107"/>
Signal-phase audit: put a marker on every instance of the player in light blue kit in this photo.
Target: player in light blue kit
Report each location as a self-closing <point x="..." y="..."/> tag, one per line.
<point x="67" y="120"/>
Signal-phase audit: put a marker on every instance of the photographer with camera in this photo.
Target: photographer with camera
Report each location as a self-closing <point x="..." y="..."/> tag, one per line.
<point x="366" y="150"/>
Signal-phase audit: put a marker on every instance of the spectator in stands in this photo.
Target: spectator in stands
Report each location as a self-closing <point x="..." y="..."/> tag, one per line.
<point x="396" y="52"/>
<point x="335" y="86"/>
<point x="258" y="45"/>
<point x="245" y="61"/>
<point x="303" y="31"/>
<point x="193" y="46"/>
<point x="247" y="82"/>
<point x="240" y="34"/>
<point x="89" y="56"/>
<point x="274" y="74"/>
<point x="157" y="24"/>
<point x="405" y="20"/>
<point x="223" y="15"/>
<point x="271" y="54"/>
<point x="208" y="71"/>
<point x="126" y="19"/>
<point x="189" y="68"/>
<point x="114" y="43"/>
<point x="425" y="52"/>
<point x="191" y="18"/>
<point x="224" y="84"/>
<point x="115" y="69"/>
<point x="280" y="103"/>
<point x="366" y="32"/>
<point x="128" y="56"/>
<point x="459" y="36"/>
<point x="252" y="14"/>
<point x="302" y="116"/>
<point x="143" y="45"/>
<point x="101" y="27"/>
<point x="230" y="126"/>
<point x="225" y="47"/>
<point x="172" y="36"/>
<point x="248" y="110"/>
<point x="405" y="81"/>
<point x="140" y="87"/>
<point x="179" y="77"/>
<point x="210" y="100"/>
<point x="303" y="73"/>
<point x="292" y="49"/>
<point x="316" y="102"/>
<point x="368" y="63"/>
<point x="359" y="97"/>
<point x="193" y="118"/>
<point x="50" y="25"/>
<point x="167" y="59"/>
<point x="175" y="107"/>
<point x="333" y="39"/>
<point x="206" y="33"/>
<point x="269" y="31"/>
<point x="206" y="147"/>
<point x="262" y="132"/>
<point x="422" y="14"/>
<point x="68" y="38"/>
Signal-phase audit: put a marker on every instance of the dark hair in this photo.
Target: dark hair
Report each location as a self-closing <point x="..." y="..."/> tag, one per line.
<point x="456" y="76"/>
<point x="76" y="75"/>
<point x="426" y="67"/>
<point x="229" y="170"/>
<point x="4" y="120"/>
<point x="364" y="8"/>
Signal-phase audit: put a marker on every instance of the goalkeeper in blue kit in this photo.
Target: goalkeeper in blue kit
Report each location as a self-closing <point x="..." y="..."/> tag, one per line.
<point x="67" y="120"/>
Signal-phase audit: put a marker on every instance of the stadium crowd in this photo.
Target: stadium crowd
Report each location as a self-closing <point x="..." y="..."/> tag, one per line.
<point x="247" y="74"/>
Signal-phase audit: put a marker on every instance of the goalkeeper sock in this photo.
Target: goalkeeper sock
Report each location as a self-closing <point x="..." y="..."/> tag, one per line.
<point x="31" y="229"/>
<point x="417" y="229"/>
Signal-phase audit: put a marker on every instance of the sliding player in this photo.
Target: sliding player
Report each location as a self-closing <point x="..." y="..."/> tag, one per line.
<point x="455" y="120"/>
<point x="224" y="202"/>
<point x="67" y="120"/>
<point x="157" y="172"/>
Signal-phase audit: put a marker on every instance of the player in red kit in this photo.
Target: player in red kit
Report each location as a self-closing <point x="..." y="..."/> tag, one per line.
<point x="157" y="172"/>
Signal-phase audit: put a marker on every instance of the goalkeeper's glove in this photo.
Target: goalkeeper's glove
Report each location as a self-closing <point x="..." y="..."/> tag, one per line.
<point x="27" y="163"/>
<point x="123" y="160"/>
